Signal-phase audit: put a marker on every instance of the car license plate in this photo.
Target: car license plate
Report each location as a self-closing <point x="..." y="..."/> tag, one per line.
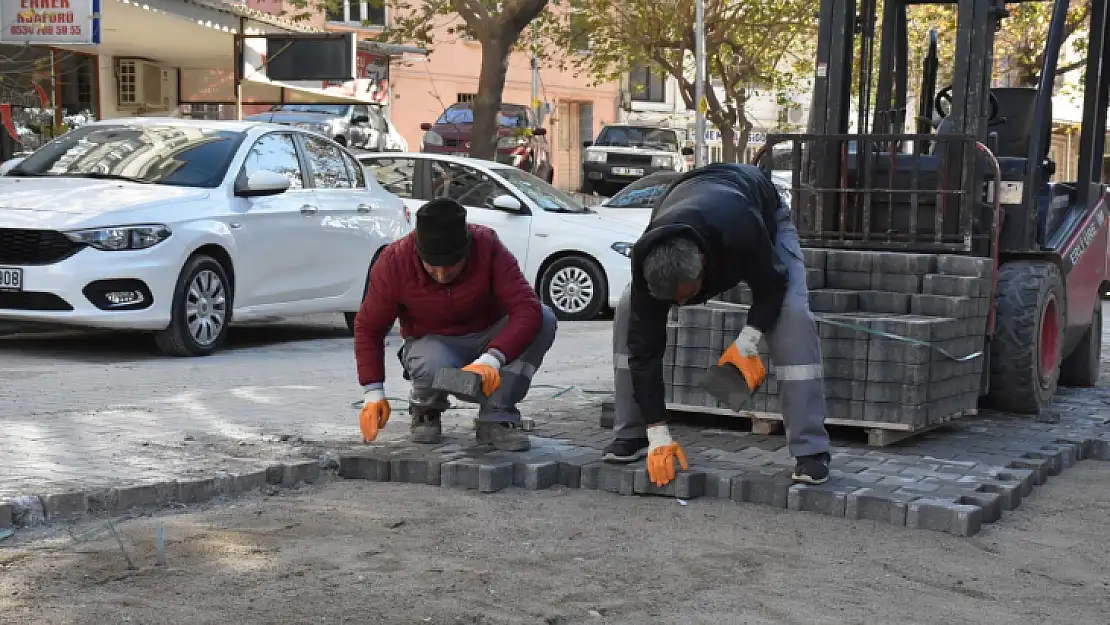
<point x="11" y="279"/>
<point x="627" y="171"/>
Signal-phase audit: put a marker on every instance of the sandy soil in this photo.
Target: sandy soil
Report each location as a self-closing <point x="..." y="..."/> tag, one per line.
<point x="356" y="552"/>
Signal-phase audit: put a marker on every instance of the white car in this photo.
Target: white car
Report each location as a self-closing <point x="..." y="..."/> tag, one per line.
<point x="178" y="227"/>
<point x="634" y="203"/>
<point x="576" y="259"/>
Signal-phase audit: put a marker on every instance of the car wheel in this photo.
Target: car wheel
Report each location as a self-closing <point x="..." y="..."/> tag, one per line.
<point x="200" y="312"/>
<point x="551" y="175"/>
<point x="586" y="188"/>
<point x="341" y="140"/>
<point x="574" y="288"/>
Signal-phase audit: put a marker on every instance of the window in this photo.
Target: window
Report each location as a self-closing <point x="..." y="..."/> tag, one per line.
<point x="360" y="109"/>
<point x="638" y="137"/>
<point x="326" y="161"/>
<point x="465" y="185"/>
<point x="161" y="154"/>
<point x="642" y="193"/>
<point x="509" y="116"/>
<point x="394" y="174"/>
<point x="365" y="12"/>
<point x="354" y="168"/>
<point x="579" y="29"/>
<point x="465" y="98"/>
<point x="646" y="85"/>
<point x="275" y="152"/>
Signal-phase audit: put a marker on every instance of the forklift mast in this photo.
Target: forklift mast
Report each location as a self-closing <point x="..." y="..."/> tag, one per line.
<point x="871" y="185"/>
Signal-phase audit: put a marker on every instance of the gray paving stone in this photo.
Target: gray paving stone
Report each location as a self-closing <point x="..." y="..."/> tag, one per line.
<point x="570" y="469"/>
<point x="125" y="498"/>
<point x="884" y="302"/>
<point x="963" y="286"/>
<point x="416" y="469"/>
<point x="247" y="481"/>
<point x="718" y="482"/>
<point x="850" y="280"/>
<point x="762" y="488"/>
<point x="486" y="476"/>
<point x="828" y="499"/>
<point x="64" y="506"/>
<point x="196" y="490"/>
<point x="964" y="266"/>
<point x="536" y="475"/>
<point x="1009" y="493"/>
<point x="296" y="472"/>
<point x="830" y="300"/>
<point x="942" y="306"/>
<point x="275" y="473"/>
<point x="689" y="484"/>
<point x="877" y="505"/>
<point x="903" y="263"/>
<point x="896" y="282"/>
<point x="5" y="515"/>
<point x="815" y="278"/>
<point x="364" y="466"/>
<point x="943" y="516"/>
<point x="464" y="385"/>
<point x="989" y="503"/>
<point x="617" y="478"/>
<point x="849" y="260"/>
<point x="814" y="258"/>
<point x="590" y="476"/>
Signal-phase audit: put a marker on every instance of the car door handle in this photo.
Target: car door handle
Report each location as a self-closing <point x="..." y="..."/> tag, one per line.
<point x="364" y="208"/>
<point x="309" y="209"/>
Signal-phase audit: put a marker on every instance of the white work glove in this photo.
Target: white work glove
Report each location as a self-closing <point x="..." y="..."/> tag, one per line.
<point x="748" y="341"/>
<point x="662" y="452"/>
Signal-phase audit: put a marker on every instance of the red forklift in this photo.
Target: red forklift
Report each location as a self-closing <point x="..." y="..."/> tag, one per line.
<point x="973" y="177"/>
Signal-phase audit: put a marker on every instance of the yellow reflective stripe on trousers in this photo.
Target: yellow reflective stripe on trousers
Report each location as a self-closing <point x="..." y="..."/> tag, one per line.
<point x="798" y="373"/>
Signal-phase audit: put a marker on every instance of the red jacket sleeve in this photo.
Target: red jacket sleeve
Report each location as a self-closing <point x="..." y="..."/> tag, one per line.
<point x="518" y="299"/>
<point x="375" y="318"/>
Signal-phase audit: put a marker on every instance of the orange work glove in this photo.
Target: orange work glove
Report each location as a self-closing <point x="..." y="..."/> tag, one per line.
<point x="488" y="367"/>
<point x="662" y="452"/>
<point x="744" y="355"/>
<point x="374" y="415"/>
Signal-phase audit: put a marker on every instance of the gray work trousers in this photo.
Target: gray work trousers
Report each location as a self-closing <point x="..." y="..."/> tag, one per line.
<point x="424" y="356"/>
<point x="795" y="349"/>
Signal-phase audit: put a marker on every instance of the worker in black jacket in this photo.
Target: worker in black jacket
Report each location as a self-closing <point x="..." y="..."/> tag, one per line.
<point x="715" y="227"/>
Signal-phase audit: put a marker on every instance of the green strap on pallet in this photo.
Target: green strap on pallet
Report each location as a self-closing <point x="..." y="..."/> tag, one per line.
<point x="896" y="337"/>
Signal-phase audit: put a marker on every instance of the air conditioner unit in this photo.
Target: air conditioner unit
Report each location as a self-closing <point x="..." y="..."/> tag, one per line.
<point x="141" y="84"/>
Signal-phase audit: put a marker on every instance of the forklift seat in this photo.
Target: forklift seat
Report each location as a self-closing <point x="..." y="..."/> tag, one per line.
<point x="1016" y="110"/>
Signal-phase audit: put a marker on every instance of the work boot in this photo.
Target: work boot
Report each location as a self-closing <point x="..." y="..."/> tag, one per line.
<point x="812" y="469"/>
<point x="426" y="426"/>
<point x="502" y="435"/>
<point x="626" y="450"/>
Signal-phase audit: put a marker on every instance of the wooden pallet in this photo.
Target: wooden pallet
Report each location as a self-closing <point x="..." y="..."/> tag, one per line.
<point x="879" y="434"/>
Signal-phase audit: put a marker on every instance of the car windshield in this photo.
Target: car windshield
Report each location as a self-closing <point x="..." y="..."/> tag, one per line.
<point x="508" y="118"/>
<point x="338" y="110"/>
<point x="641" y="193"/>
<point x="183" y="156"/>
<point x="546" y="196"/>
<point x="638" y="137"/>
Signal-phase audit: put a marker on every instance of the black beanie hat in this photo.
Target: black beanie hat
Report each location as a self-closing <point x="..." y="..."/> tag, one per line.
<point x="442" y="238"/>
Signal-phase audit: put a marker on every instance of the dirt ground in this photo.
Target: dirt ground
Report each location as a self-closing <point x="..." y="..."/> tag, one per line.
<point x="359" y="552"/>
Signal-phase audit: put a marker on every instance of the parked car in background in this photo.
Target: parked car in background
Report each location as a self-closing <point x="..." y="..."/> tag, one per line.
<point x="521" y="142"/>
<point x="623" y="153"/>
<point x="634" y="203"/>
<point x="178" y="227"/>
<point x="350" y="125"/>
<point x="575" y="258"/>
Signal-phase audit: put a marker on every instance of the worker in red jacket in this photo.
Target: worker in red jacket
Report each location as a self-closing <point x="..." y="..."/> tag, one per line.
<point x="463" y="302"/>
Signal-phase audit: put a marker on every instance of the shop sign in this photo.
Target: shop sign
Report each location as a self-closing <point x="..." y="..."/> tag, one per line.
<point x="72" y="22"/>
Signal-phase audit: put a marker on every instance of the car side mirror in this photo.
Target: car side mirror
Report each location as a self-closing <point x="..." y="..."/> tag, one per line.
<point x="262" y="183"/>
<point x="425" y="126"/>
<point x="360" y="119"/>
<point x="539" y="132"/>
<point x="587" y="144"/>
<point x="10" y="164"/>
<point x="687" y="151"/>
<point x="507" y="203"/>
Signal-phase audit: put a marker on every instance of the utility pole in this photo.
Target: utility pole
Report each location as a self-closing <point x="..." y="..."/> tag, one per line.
<point x="699" y="83"/>
<point x="536" y="105"/>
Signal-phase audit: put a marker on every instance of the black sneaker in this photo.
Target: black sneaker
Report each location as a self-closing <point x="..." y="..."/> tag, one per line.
<point x="812" y="469"/>
<point x="426" y="427"/>
<point x="626" y="450"/>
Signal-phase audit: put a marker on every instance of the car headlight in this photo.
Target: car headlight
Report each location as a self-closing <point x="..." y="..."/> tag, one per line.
<point x="314" y="127"/>
<point x="508" y="143"/>
<point x="121" y="238"/>
<point x="665" y="162"/>
<point x="622" y="248"/>
<point x="433" y="138"/>
<point x="593" y="156"/>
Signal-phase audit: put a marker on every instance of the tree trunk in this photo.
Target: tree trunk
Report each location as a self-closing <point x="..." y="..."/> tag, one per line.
<point x="487" y="103"/>
<point x="728" y="143"/>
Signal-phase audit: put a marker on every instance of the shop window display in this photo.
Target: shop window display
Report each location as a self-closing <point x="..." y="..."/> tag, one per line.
<point x="43" y="93"/>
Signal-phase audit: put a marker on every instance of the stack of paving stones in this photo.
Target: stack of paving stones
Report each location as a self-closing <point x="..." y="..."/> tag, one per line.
<point x="927" y="298"/>
<point x="919" y="491"/>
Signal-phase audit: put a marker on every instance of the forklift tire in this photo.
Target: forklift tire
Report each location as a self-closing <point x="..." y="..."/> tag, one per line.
<point x="1081" y="368"/>
<point x="1025" y="351"/>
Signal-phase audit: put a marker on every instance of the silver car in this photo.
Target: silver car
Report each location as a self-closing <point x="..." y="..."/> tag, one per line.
<point x="351" y="125"/>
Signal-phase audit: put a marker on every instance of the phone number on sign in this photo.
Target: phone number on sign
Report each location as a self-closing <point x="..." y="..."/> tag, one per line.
<point x="32" y="30"/>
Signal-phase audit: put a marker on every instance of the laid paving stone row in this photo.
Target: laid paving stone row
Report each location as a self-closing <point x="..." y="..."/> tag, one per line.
<point x="56" y="507"/>
<point x="953" y="481"/>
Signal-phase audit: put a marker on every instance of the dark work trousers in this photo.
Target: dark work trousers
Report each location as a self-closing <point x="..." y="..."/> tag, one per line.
<point x="795" y="349"/>
<point x="423" y="357"/>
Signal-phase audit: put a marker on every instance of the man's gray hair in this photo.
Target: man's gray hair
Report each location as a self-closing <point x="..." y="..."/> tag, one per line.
<point x="670" y="263"/>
